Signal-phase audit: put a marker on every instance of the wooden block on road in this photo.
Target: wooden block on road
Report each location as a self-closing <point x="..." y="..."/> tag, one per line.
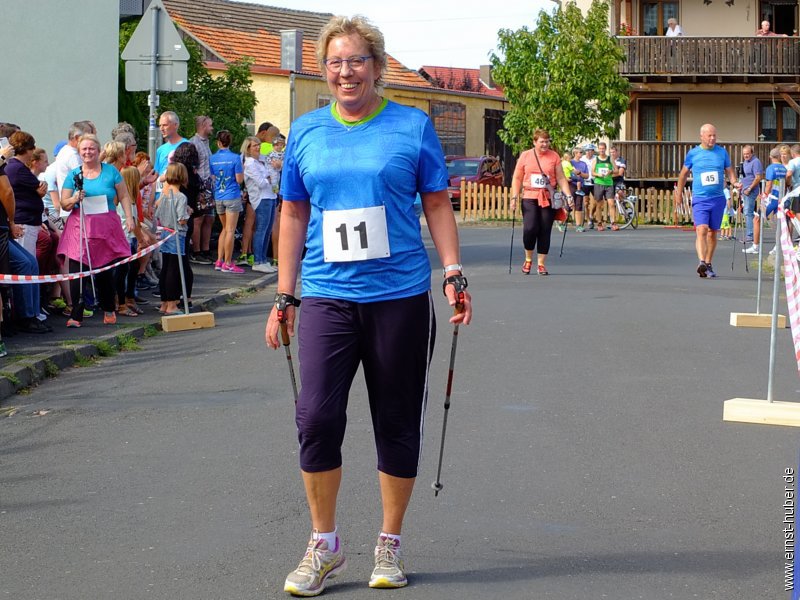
<point x="756" y="320"/>
<point x="200" y="320"/>
<point x="749" y="410"/>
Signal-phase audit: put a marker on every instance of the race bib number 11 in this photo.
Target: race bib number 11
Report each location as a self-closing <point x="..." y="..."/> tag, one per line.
<point x="355" y="234"/>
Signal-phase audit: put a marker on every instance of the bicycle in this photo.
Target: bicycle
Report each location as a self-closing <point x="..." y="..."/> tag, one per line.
<point x="625" y="201"/>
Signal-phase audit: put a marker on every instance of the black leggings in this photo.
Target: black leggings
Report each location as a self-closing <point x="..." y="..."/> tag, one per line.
<point x="125" y="278"/>
<point x="103" y="283"/>
<point x="537" y="223"/>
<point x="169" y="280"/>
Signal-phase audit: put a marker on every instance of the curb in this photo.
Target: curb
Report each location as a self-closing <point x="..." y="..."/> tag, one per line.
<point x="19" y="376"/>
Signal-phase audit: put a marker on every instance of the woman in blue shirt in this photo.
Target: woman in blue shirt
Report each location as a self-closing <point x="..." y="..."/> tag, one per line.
<point x="351" y="174"/>
<point x="228" y="174"/>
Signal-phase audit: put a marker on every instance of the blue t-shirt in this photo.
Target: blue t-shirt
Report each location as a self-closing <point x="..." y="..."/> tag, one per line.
<point x="378" y="165"/>
<point x="775" y="173"/>
<point x="162" y="155"/>
<point x="104" y="185"/>
<point x="751" y="168"/>
<point x="708" y="172"/>
<point x="579" y="166"/>
<point x="224" y="167"/>
<point x="794" y="168"/>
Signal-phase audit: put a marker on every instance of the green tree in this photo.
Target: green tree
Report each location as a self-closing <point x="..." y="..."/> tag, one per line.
<point x="228" y="98"/>
<point x="563" y="76"/>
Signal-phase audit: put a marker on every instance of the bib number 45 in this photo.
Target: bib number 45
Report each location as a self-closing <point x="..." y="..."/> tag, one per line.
<point x="355" y="234"/>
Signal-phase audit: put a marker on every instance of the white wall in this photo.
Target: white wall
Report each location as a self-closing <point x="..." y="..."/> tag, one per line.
<point x="60" y="64"/>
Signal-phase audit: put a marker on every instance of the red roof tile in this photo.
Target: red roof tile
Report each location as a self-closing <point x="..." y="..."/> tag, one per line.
<point x="464" y="80"/>
<point x="236" y="29"/>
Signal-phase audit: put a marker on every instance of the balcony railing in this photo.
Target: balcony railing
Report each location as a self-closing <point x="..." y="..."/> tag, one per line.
<point x="662" y="161"/>
<point x="740" y="57"/>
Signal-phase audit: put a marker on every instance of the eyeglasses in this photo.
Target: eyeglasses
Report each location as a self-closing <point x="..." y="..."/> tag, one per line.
<point x="356" y="63"/>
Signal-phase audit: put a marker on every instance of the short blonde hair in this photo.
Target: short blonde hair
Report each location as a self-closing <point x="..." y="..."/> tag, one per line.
<point x="91" y="138"/>
<point x="113" y="151"/>
<point x="357" y="25"/>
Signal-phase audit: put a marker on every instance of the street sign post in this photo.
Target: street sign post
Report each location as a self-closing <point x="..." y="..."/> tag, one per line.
<point x="155" y="59"/>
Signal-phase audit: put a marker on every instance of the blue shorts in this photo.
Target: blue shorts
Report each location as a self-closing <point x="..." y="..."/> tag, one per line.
<point x="709" y="212"/>
<point x="772" y="207"/>
<point x="392" y="341"/>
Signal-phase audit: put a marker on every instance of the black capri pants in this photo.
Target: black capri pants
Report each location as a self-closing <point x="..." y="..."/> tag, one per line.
<point x="537" y="224"/>
<point x="392" y="340"/>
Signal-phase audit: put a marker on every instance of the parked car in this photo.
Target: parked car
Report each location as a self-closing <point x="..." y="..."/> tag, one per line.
<point x="475" y="169"/>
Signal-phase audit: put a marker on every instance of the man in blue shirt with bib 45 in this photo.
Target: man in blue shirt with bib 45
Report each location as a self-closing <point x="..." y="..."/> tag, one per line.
<point x="708" y="164"/>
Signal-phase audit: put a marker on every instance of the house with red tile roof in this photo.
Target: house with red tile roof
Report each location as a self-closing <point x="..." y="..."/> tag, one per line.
<point x="288" y="82"/>
<point x="466" y="80"/>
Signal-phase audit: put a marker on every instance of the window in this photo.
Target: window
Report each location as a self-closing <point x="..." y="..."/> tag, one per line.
<point x="250" y="123"/>
<point x="655" y="15"/>
<point x="450" y="122"/>
<point x="777" y="121"/>
<point x="324" y="100"/>
<point x="658" y="120"/>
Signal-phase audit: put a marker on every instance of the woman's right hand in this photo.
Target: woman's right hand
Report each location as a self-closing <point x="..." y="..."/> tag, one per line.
<point x="273" y="326"/>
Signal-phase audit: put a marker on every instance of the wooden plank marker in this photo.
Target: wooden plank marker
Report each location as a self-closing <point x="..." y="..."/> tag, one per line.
<point x="199" y="320"/>
<point x="762" y="412"/>
<point x="756" y="320"/>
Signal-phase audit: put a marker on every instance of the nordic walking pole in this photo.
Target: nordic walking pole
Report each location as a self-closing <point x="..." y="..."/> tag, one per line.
<point x="511" y="250"/>
<point x="564" y="237"/>
<point x="460" y="284"/>
<point x="282" y="301"/>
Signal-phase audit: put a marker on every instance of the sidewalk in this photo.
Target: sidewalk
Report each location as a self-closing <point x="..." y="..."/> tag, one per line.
<point x="33" y="357"/>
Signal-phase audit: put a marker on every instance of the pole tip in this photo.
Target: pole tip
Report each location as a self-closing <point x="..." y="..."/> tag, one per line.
<point x="437" y="487"/>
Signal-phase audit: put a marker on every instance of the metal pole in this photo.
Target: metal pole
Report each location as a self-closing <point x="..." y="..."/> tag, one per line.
<point x="180" y="257"/>
<point x="437" y="485"/>
<point x="287" y="346"/>
<point x="152" y="99"/>
<point x="773" y="334"/>
<point x="761" y="226"/>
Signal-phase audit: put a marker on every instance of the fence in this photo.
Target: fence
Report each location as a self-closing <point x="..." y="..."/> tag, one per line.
<point x="490" y="203"/>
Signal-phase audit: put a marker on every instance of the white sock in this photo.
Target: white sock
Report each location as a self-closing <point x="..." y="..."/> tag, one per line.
<point x="391" y="536"/>
<point x="330" y="537"/>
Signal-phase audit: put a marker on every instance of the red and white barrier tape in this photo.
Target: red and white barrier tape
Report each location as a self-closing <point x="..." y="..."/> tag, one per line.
<point x="19" y="279"/>
<point x="791" y="278"/>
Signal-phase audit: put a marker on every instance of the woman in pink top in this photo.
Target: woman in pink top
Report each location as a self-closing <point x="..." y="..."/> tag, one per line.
<point x="536" y="173"/>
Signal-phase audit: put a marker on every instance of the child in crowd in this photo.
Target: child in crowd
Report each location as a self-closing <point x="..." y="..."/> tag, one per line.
<point x="728" y="216"/>
<point x="126" y="273"/>
<point x="172" y="212"/>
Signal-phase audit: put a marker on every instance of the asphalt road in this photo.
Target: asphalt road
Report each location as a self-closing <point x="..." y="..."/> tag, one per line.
<point x="586" y="454"/>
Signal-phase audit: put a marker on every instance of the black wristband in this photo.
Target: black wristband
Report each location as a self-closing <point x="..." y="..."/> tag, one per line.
<point x="457" y="281"/>
<point x="284" y="300"/>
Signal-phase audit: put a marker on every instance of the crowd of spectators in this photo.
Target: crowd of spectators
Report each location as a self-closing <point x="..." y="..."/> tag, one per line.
<point x="52" y="213"/>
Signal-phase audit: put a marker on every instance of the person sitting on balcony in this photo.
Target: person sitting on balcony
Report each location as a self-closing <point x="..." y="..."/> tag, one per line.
<point x="673" y="29"/>
<point x="765" y="31"/>
<point x="708" y="164"/>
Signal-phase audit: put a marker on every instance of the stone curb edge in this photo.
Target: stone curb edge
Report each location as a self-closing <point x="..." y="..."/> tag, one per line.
<point x="45" y="365"/>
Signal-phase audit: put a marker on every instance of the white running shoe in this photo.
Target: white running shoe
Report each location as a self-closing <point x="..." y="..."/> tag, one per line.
<point x="318" y="564"/>
<point x="772" y="252"/>
<point x="751" y="250"/>
<point x="264" y="268"/>
<point x="388" y="571"/>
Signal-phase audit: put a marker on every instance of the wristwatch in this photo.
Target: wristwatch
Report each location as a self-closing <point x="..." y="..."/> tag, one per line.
<point x="455" y="267"/>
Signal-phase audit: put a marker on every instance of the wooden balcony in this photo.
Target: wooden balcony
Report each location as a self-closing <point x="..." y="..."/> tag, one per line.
<point x="711" y="58"/>
<point x="662" y="161"/>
